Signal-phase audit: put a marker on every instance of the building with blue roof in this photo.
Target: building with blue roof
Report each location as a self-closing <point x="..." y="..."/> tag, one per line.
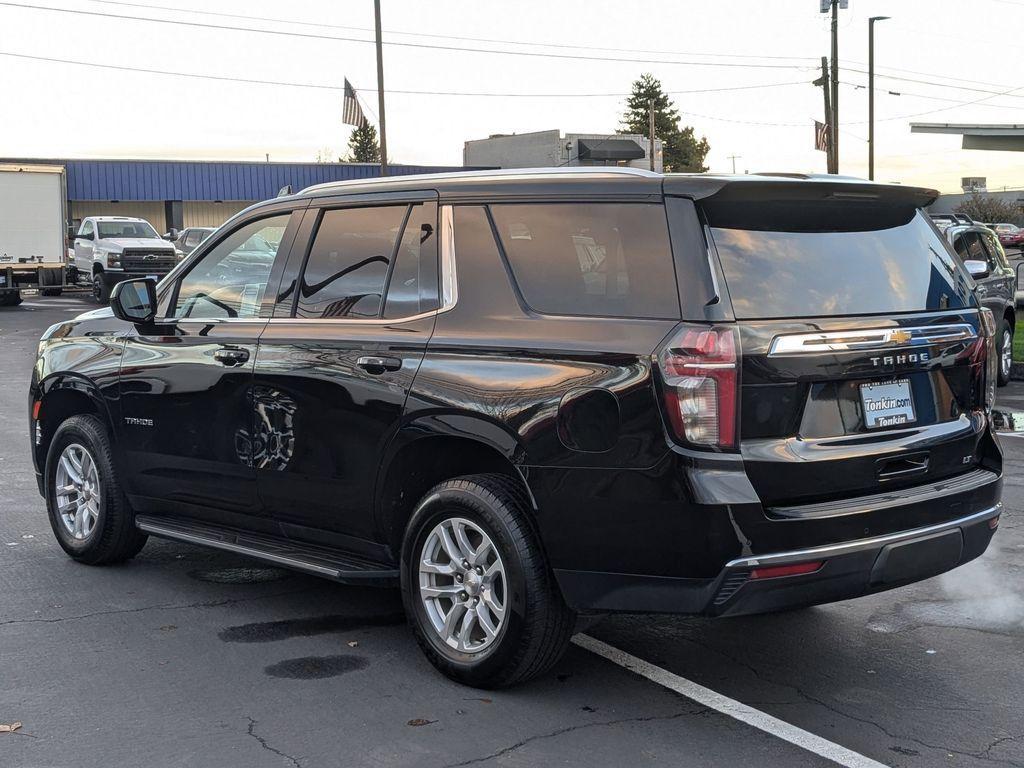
<point x="194" y="193"/>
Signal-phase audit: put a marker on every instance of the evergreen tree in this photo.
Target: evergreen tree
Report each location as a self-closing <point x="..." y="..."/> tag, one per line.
<point x="363" y="146"/>
<point x="681" y="151"/>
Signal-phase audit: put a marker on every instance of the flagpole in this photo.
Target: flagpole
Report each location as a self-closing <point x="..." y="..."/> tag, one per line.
<point x="380" y="92"/>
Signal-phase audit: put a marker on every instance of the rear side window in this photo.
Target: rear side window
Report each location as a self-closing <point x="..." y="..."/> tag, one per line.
<point x="602" y="259"/>
<point x="349" y="261"/>
<point x="903" y="266"/>
<point x="412" y="287"/>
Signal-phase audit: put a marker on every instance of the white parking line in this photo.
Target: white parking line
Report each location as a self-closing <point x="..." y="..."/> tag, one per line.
<point x="734" y="709"/>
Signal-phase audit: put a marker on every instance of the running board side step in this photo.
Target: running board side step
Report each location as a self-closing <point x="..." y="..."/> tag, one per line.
<point x="307" y="558"/>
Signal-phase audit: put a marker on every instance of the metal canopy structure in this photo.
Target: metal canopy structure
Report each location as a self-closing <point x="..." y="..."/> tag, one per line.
<point x="1003" y="137"/>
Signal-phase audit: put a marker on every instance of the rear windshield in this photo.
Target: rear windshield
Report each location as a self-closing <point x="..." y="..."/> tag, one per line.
<point x="600" y="259"/>
<point x="905" y="267"/>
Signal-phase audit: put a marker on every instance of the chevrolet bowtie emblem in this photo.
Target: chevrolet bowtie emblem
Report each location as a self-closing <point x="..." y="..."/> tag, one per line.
<point x="899" y="337"/>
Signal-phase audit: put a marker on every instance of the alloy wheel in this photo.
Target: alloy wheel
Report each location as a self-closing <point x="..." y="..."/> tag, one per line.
<point x="77" y="491"/>
<point x="462" y="585"/>
<point x="1006" y="354"/>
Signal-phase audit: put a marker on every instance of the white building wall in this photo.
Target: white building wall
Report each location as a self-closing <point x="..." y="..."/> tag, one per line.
<point x="151" y="211"/>
<point x="207" y="214"/>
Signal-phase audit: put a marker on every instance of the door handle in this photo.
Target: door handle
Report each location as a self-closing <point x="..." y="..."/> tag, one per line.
<point x="378" y="365"/>
<point x="231" y="355"/>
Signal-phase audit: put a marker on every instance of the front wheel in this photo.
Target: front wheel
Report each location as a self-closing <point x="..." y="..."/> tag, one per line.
<point x="1005" y="355"/>
<point x="88" y="511"/>
<point x="476" y="586"/>
<point x="100" y="291"/>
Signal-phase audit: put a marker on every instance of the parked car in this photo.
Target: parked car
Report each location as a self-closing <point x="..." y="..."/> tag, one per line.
<point x="995" y="282"/>
<point x="186" y="240"/>
<point x="1010" y="235"/>
<point x="528" y="396"/>
<point x="109" y="249"/>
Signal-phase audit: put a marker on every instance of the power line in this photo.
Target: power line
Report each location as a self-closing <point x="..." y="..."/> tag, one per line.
<point x="326" y="87"/>
<point x="393" y="43"/>
<point x="320" y="25"/>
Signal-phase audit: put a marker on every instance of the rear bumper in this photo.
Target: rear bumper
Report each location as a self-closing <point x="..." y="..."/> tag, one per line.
<point x="849" y="569"/>
<point x="854" y="568"/>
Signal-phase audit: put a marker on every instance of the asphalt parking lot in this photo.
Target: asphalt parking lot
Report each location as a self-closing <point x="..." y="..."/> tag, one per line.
<point x="185" y="657"/>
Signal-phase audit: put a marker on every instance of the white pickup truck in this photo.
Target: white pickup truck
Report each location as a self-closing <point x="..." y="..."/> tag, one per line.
<point x="109" y="249"/>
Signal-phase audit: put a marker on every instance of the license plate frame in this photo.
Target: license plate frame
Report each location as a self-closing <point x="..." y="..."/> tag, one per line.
<point x="878" y="414"/>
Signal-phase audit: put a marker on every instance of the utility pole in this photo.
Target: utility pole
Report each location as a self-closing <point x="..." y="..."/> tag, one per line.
<point x="871" y="94"/>
<point x="834" y="122"/>
<point x="650" y="128"/>
<point x="734" y="158"/>
<point x="823" y="81"/>
<point x="380" y="92"/>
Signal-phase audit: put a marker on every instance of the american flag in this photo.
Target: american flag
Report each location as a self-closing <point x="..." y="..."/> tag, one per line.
<point x="351" y="112"/>
<point x="820" y="136"/>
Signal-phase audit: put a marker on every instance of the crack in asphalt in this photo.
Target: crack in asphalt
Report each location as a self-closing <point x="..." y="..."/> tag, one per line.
<point x="569" y="729"/>
<point x="157" y="607"/>
<point x="263" y="743"/>
<point x="980" y="755"/>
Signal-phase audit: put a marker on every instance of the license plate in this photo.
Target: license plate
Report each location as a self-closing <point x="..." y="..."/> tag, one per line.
<point x="887" y="404"/>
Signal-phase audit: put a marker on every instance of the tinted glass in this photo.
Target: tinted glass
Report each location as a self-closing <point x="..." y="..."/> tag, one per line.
<point x="902" y="268"/>
<point x="604" y="259"/>
<point x="348" y="263"/>
<point x="116" y="229"/>
<point x="412" y="286"/>
<point x="194" y="237"/>
<point x="996" y="250"/>
<point x="229" y="281"/>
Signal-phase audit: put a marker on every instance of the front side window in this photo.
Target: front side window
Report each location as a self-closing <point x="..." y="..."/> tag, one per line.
<point x="193" y="238"/>
<point x="348" y="265"/>
<point x="595" y="259"/>
<point x="88" y="229"/>
<point x="112" y="230"/>
<point x="230" y="280"/>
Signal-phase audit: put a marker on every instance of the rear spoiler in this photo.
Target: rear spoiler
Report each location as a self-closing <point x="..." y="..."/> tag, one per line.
<point x="794" y="188"/>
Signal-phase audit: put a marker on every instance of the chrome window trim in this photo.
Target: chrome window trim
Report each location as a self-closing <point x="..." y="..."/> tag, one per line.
<point x="868" y="339"/>
<point x="448" y="280"/>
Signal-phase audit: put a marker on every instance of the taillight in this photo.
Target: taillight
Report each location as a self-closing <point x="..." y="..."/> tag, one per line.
<point x="990" y="359"/>
<point x="699" y="370"/>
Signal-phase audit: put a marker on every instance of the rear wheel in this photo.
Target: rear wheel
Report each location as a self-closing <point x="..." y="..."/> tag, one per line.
<point x="1005" y="354"/>
<point x="476" y="586"/>
<point x="88" y="511"/>
<point x="10" y="299"/>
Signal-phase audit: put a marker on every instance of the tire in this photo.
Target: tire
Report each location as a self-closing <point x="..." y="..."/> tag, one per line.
<point x="12" y="299"/>
<point x="1005" y="354"/>
<point x="50" y="291"/>
<point x="100" y="292"/>
<point x="112" y="536"/>
<point x="536" y="625"/>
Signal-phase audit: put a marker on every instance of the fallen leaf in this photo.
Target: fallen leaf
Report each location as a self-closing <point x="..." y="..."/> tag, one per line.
<point x="9" y="728"/>
<point x="168" y="628"/>
<point x="353" y="643"/>
<point x="415" y="722"/>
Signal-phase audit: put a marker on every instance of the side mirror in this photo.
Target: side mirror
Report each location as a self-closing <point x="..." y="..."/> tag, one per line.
<point x="82" y="236"/>
<point x="134" y="300"/>
<point x="977" y="267"/>
<point x="171" y="234"/>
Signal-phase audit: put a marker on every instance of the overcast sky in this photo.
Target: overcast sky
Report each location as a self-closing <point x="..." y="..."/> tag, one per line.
<point x="947" y="51"/>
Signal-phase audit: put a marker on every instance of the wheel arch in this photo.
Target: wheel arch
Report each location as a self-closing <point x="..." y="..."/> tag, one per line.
<point x="428" y="452"/>
<point x="62" y="397"/>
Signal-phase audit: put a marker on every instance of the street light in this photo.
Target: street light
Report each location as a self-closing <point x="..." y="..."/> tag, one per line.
<point x="871" y="94"/>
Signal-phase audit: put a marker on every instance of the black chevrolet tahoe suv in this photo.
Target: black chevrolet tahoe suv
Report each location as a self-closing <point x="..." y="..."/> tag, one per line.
<point x="536" y="395"/>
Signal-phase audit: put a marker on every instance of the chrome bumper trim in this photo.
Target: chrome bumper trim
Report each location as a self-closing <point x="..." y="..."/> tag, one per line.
<point x="851" y="547"/>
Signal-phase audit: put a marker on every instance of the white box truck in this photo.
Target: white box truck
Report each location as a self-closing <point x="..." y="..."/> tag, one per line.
<point x="33" y="230"/>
